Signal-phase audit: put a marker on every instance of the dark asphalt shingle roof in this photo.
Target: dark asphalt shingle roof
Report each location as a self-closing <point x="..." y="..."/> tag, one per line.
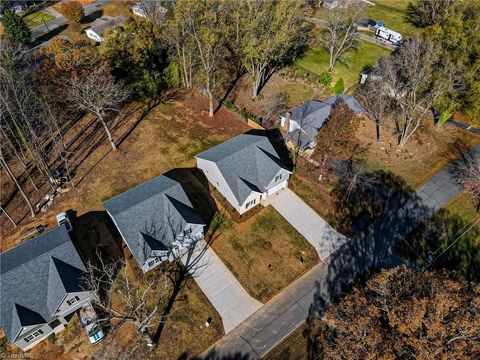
<point x="313" y="114"/>
<point x="247" y="162"/>
<point x="35" y="277"/>
<point x="150" y="216"/>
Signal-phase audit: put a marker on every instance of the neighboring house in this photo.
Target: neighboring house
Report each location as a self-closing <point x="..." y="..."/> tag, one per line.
<point x="143" y="7"/>
<point x="156" y="220"/>
<point x="99" y="27"/>
<point x="41" y="285"/>
<point x="246" y="170"/>
<point x="303" y="122"/>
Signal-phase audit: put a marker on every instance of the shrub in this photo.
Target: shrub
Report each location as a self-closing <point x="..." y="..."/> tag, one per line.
<point x="339" y="87"/>
<point x="72" y="10"/>
<point x="325" y="78"/>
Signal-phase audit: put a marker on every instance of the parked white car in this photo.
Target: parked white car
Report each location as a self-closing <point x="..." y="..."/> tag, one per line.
<point x="88" y="319"/>
<point x="63" y="218"/>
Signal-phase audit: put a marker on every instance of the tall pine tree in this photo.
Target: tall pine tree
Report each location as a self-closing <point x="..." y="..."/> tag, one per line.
<point x="15" y="28"/>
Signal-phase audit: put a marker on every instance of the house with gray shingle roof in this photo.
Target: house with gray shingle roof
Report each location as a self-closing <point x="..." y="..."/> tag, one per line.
<point x="156" y="220"/>
<point x="246" y="170"/>
<point x="41" y="284"/>
<point x="99" y="27"/>
<point x="303" y="122"/>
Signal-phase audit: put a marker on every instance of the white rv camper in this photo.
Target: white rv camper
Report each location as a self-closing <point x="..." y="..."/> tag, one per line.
<point x="389" y="35"/>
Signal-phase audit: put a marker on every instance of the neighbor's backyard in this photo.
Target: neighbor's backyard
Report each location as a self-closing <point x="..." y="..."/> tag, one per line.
<point x="315" y="60"/>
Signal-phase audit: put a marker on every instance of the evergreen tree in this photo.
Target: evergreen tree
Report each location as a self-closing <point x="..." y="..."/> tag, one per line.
<point x="15" y="28"/>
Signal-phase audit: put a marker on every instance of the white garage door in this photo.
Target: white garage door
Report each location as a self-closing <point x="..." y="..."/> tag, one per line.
<point x="277" y="188"/>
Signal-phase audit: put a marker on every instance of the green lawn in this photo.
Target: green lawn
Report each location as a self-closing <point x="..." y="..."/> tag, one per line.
<point x="37" y="18"/>
<point x="464" y="206"/>
<point x="392" y="13"/>
<point x="315" y="60"/>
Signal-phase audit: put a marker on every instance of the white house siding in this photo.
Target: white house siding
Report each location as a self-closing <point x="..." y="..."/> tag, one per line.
<point x="24" y="345"/>
<point x="65" y="309"/>
<point x="254" y="195"/>
<point x="279" y="184"/>
<point x="215" y="177"/>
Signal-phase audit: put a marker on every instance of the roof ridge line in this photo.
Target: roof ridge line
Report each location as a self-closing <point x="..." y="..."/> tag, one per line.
<point x="26" y="262"/>
<point x="146" y="182"/>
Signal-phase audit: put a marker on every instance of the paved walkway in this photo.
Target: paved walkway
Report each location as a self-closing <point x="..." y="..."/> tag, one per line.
<point x="302" y="217"/>
<point x="309" y="295"/>
<point x="223" y="290"/>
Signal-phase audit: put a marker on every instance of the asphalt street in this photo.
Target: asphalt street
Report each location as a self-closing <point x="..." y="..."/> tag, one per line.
<point x="60" y="21"/>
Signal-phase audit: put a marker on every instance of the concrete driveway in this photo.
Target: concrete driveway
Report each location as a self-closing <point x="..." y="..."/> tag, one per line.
<point x="223" y="290"/>
<point x="302" y="217"/>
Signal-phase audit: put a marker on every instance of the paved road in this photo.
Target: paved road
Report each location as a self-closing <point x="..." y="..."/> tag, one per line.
<point x="60" y="21"/>
<point x="308" y="296"/>
<point x="314" y="229"/>
<point x="223" y="290"/>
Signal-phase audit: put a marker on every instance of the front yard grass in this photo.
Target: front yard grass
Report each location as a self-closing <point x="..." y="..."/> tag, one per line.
<point x="37" y="18"/>
<point x="464" y="206"/>
<point x="315" y="60"/>
<point x="264" y="253"/>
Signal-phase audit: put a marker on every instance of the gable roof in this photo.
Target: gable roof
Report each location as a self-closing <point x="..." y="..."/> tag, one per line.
<point x="34" y="282"/>
<point x="150" y="216"/>
<point x="247" y="162"/>
<point x="313" y="114"/>
<point x="100" y="25"/>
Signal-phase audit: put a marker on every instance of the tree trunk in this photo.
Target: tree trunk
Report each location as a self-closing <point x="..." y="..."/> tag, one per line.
<point x="107" y="131"/>
<point x="8" y="216"/>
<point x="379" y="130"/>
<point x="210" y="100"/>
<point x="9" y="172"/>
<point x="146" y="336"/>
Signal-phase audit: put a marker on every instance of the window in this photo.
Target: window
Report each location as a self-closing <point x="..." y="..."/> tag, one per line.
<point x="153" y="262"/>
<point x="278" y="177"/>
<point x="187" y="232"/>
<point x="33" y="335"/>
<point x="250" y="203"/>
<point x="73" y="300"/>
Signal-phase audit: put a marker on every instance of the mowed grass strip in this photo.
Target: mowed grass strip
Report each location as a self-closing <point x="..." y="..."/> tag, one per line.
<point x="37" y="18"/>
<point x="265" y="253"/>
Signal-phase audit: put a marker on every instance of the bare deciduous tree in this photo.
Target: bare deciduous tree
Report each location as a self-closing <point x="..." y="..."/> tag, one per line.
<point x="375" y="102"/>
<point x="4" y="163"/>
<point x="407" y="77"/>
<point x="339" y="33"/>
<point x="205" y="29"/>
<point x="124" y="297"/>
<point x="96" y="91"/>
<point x="274" y="105"/>
<point x="468" y="174"/>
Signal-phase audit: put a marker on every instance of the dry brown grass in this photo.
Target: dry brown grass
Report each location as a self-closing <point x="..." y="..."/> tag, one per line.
<point x="167" y="137"/>
<point x="264" y="253"/>
<point x="184" y="334"/>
